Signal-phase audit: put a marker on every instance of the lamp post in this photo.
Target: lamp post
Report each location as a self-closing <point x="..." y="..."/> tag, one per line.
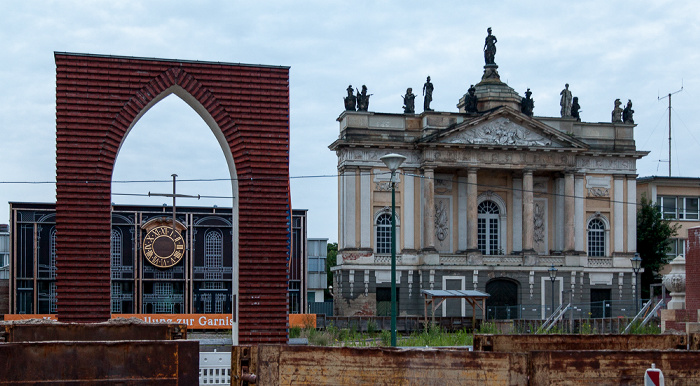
<point x="552" y="276"/>
<point x="636" y="266"/>
<point x="393" y="161"/>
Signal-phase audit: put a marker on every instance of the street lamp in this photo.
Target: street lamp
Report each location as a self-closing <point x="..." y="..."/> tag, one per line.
<point x="393" y="161"/>
<point x="552" y="276"/>
<point x="636" y="266"/>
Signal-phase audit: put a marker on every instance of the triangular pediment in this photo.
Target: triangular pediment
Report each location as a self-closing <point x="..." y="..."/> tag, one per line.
<point x="505" y="128"/>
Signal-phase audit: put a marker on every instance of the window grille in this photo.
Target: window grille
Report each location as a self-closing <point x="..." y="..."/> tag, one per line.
<point x="213" y="285"/>
<point x="206" y="299"/>
<point x="220" y="299"/>
<point x="384" y="233"/>
<point x="488" y="228"/>
<point x="116" y="297"/>
<point x="52" y="297"/>
<point x="596" y="238"/>
<point x="164" y="289"/>
<point x="52" y="254"/>
<point x="116" y="253"/>
<point x="213" y="255"/>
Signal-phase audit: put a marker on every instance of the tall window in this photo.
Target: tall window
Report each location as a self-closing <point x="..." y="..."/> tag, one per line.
<point x="116" y="252"/>
<point x="679" y="208"/>
<point x="596" y="238"/>
<point x="487" y="225"/>
<point x="213" y="255"/>
<point x="52" y="254"/>
<point x="384" y="233"/>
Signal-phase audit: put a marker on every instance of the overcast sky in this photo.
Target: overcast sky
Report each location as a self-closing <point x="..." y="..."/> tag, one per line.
<point x="636" y="50"/>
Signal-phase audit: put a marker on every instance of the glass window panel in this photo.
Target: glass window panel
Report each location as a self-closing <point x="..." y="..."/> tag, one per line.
<point x="691" y="208"/>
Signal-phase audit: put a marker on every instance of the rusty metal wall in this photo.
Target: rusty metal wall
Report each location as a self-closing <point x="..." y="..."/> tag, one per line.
<point x="526" y="343"/>
<point x="20" y="332"/>
<point x="611" y="367"/>
<point x="304" y="365"/>
<point x="88" y="363"/>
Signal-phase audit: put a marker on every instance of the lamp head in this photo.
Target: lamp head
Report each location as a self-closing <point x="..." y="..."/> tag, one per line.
<point x="552" y="272"/>
<point x="393" y="161"/>
<point x="636" y="262"/>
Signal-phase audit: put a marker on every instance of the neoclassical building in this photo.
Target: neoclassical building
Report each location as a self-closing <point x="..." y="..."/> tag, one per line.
<point x="487" y="200"/>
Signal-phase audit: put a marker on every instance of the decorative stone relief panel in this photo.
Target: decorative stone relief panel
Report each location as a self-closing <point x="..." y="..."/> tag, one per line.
<point x="443" y="183"/>
<point x="598" y="186"/>
<point x="605" y="164"/>
<point x="382" y="180"/>
<point x="443" y="210"/>
<point x="540" y="226"/>
<point x="500" y="131"/>
<point x="370" y="157"/>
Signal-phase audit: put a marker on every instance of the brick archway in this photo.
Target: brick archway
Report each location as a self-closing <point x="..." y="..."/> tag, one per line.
<point x="99" y="99"/>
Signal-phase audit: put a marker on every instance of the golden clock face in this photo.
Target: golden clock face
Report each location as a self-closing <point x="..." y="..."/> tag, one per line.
<point x="163" y="246"/>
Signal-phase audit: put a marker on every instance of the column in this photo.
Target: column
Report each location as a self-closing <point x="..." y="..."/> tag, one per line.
<point x="471" y="210"/>
<point x="569" y="204"/>
<point x="632" y="213"/>
<point x="407" y="202"/>
<point x="366" y="217"/>
<point x="528" y="212"/>
<point x="618" y="213"/>
<point x="579" y="226"/>
<point x="429" y="208"/>
<point x="348" y="218"/>
<point x="517" y="214"/>
<point x="462" y="198"/>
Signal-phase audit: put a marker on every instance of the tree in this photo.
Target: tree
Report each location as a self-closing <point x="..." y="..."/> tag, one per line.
<point x="653" y="241"/>
<point x="331" y="260"/>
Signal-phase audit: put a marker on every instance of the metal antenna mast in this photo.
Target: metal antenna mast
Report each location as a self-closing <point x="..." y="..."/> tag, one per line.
<point x="669" y="125"/>
<point x="173" y="195"/>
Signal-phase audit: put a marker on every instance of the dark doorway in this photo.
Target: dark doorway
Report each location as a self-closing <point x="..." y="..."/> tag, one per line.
<point x="384" y="301"/>
<point x="600" y="303"/>
<point x="503" y="300"/>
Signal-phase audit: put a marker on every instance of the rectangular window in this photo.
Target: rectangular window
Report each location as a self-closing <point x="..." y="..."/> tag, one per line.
<point x="679" y="208"/>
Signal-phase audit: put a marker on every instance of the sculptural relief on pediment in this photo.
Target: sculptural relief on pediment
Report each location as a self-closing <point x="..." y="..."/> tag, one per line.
<point x="500" y="132"/>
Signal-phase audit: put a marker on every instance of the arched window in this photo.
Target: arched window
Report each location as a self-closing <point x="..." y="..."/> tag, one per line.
<point x="116" y="252"/>
<point x="213" y="255"/>
<point x="596" y="237"/>
<point x="52" y="254"/>
<point x="488" y="228"/>
<point x="384" y="233"/>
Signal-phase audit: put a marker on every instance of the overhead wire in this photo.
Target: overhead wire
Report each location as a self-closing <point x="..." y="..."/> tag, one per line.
<point x="268" y="178"/>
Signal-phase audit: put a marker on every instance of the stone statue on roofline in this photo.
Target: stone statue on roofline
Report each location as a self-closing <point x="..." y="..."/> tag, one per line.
<point x="409" y="102"/>
<point x="363" y="99"/>
<point x="471" y="101"/>
<point x="617" y="112"/>
<point x="565" y="101"/>
<point x="575" y="107"/>
<point x="527" y="104"/>
<point x="350" y="100"/>
<point x="627" y="113"/>
<point x="428" y="95"/>
<point x="490" y="48"/>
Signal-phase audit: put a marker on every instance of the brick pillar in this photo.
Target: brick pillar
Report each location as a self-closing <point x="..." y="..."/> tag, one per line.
<point x="692" y="271"/>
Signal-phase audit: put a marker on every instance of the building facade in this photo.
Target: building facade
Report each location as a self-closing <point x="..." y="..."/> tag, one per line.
<point x="488" y="200"/>
<point x="678" y="199"/>
<point x="199" y="284"/>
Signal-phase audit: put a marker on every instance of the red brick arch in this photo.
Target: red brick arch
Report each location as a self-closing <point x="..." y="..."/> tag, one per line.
<point x="98" y="100"/>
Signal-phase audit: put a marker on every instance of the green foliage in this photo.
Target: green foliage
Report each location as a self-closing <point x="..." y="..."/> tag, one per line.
<point x="647" y="329"/>
<point x="586" y="328"/>
<point x="371" y="327"/>
<point x="488" y="328"/>
<point x="331" y="261"/>
<point x="435" y="337"/>
<point x="385" y="338"/>
<point x="295" y="332"/>
<point x="653" y="241"/>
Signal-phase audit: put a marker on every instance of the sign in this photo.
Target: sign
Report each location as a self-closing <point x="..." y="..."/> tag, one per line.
<point x="193" y="321"/>
<point x="653" y="376"/>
